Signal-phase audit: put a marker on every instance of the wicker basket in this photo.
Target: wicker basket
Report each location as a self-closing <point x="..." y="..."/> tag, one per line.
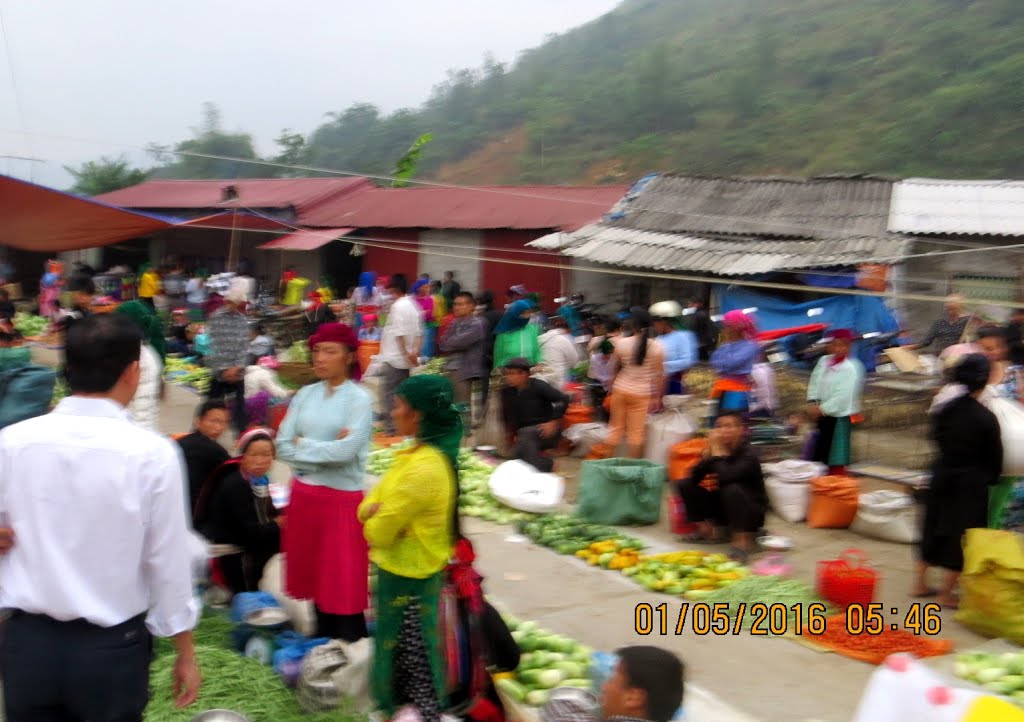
<point x="296" y="373"/>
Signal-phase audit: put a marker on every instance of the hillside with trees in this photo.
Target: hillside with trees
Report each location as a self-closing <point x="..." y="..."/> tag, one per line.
<point x="797" y="87"/>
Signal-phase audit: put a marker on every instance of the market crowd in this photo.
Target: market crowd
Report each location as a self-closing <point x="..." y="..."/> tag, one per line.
<point x="138" y="512"/>
<point x="113" y="488"/>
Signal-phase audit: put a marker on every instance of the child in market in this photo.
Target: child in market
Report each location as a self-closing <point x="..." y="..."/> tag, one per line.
<point x="369" y="330"/>
<point x="260" y="344"/>
<point x="180" y="337"/>
<point x="262" y="387"/>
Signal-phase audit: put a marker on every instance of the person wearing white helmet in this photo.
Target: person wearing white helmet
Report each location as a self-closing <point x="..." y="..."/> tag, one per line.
<point x="680" y="346"/>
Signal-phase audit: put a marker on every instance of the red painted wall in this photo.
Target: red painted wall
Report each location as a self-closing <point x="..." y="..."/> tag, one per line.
<point x="510" y="245"/>
<point x="401" y="258"/>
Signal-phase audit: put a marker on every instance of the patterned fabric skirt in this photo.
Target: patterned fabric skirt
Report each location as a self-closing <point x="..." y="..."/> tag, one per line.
<point x="833" y="447"/>
<point x="408" y="666"/>
<point x="327" y="556"/>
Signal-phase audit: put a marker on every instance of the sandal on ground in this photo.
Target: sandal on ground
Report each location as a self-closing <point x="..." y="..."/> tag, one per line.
<point x="739" y="555"/>
<point x="698" y="538"/>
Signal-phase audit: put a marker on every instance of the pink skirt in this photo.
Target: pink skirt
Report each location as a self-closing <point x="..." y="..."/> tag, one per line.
<point x="327" y="559"/>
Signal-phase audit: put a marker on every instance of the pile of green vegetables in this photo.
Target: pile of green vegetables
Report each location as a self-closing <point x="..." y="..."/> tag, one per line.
<point x="230" y="681"/>
<point x="569" y="534"/>
<point x="999" y="673"/>
<point x="475" y="497"/>
<point x="28" y="325"/>
<point x="769" y="590"/>
<point x="434" y="366"/>
<point x="548" y="661"/>
<point x="179" y="371"/>
<point x="298" y="352"/>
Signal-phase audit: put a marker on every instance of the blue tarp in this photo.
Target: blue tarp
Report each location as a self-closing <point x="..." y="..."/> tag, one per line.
<point x="860" y="314"/>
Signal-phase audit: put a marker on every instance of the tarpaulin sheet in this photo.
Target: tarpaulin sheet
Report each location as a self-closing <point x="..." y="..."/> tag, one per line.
<point x="36" y="218"/>
<point x="860" y="314"/>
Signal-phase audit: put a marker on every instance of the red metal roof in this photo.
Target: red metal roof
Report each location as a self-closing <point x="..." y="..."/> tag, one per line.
<point x="238" y="220"/>
<point x="299" y="193"/>
<point x="483" y="207"/>
<point x="308" y="240"/>
<point x="36" y="218"/>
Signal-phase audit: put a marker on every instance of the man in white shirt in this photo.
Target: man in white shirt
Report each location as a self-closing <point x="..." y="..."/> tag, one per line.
<point x="399" y="344"/>
<point x="100" y="561"/>
<point x="558" y="352"/>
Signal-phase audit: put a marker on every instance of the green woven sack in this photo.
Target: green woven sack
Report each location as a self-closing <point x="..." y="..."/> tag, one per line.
<point x="621" y="491"/>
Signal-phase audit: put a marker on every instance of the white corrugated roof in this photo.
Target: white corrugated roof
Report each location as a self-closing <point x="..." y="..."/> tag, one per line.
<point x="929" y="205"/>
<point x="611" y="245"/>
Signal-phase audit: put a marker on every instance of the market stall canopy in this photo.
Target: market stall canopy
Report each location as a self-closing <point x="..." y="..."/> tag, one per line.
<point x="37" y="218"/>
<point x="306" y="240"/>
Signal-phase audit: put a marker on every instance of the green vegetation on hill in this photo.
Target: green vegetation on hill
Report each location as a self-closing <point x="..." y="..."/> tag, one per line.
<point x="897" y="87"/>
<point x="914" y="87"/>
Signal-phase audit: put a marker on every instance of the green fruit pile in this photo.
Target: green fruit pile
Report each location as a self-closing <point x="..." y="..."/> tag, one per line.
<point x="999" y="673"/>
<point x="548" y="661"/>
<point x="180" y="371"/>
<point x="569" y="534"/>
<point x="28" y="325"/>
<point x="693" y="574"/>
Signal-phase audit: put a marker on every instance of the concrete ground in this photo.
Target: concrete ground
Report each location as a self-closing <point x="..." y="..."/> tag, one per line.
<point x="730" y="678"/>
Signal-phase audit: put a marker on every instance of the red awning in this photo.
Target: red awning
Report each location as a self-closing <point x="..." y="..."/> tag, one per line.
<point x="36" y="218"/>
<point x="306" y="240"/>
<point x="783" y="332"/>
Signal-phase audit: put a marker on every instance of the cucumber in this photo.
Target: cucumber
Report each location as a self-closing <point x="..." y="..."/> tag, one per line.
<point x="512" y="688"/>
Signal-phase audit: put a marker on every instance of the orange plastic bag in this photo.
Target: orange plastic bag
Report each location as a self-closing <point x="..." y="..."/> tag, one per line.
<point x="600" y="451"/>
<point x="577" y="414"/>
<point x="683" y="457"/>
<point x="833" y="503"/>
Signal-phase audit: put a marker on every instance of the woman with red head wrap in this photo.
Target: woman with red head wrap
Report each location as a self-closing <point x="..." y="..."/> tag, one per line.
<point x="325" y="437"/>
<point x="833" y="395"/>
<point x="733" y="362"/>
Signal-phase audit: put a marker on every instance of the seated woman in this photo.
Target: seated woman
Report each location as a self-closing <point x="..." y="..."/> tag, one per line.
<point x="726" y="488"/>
<point x="235" y="509"/>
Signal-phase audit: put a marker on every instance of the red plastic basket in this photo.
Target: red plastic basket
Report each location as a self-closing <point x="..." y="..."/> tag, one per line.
<point x="677" y="520"/>
<point x="850" y="579"/>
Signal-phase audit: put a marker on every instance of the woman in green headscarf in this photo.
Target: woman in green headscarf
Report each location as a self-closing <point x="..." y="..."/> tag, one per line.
<point x="411" y="524"/>
<point x="145" y="407"/>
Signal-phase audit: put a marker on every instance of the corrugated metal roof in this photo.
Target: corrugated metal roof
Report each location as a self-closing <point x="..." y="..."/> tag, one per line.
<point x="611" y="245"/>
<point x="483" y="207"/>
<point x="306" y="240"/>
<point x="777" y="207"/>
<point x="931" y="205"/>
<point x="299" y="193"/>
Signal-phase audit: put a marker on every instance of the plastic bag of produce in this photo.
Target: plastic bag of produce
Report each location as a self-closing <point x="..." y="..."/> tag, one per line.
<point x="672" y="426"/>
<point x="887" y="515"/>
<point x="833" y="503"/>
<point x="316" y="690"/>
<point x="992" y="584"/>
<point x="795" y="471"/>
<point x="621" y="491"/>
<point x="584" y="437"/>
<point x="788" y="500"/>
<point x="518" y="485"/>
<point x="1011" y="423"/>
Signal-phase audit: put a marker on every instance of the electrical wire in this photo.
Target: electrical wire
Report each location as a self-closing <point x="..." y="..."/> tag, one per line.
<point x="387" y="244"/>
<point x="16" y="92"/>
<point x="498" y="190"/>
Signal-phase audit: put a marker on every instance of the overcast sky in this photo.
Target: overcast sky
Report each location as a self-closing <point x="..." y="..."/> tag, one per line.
<point x="130" y="72"/>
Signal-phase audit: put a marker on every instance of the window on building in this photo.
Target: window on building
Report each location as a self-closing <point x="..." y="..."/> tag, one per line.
<point x="986" y="288"/>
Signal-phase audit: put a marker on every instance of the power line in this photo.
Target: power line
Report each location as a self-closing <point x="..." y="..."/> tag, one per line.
<point x="826" y="233"/>
<point x="14" y="89"/>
